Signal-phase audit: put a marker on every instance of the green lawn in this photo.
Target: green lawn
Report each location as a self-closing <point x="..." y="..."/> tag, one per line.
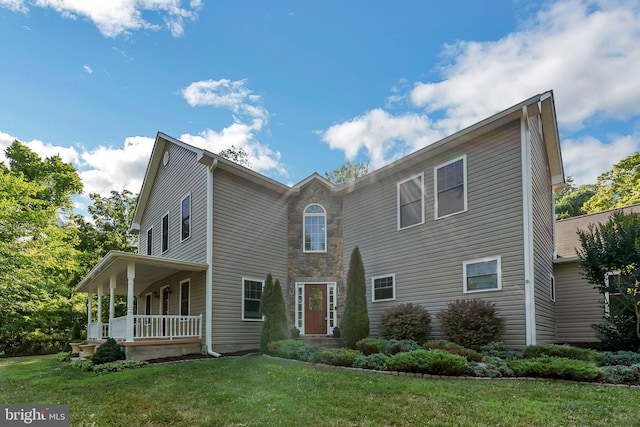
<point x="261" y="391"/>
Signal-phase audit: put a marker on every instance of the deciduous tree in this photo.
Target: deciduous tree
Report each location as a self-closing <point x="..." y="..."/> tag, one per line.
<point x="347" y="172"/>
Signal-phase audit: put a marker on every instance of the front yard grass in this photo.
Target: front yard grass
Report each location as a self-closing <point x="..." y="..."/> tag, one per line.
<point x="262" y="391"/>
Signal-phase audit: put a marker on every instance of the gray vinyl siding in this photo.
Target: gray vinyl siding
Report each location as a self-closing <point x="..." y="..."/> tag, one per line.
<point x="579" y="305"/>
<point x="543" y="246"/>
<point x="183" y="175"/>
<point x="249" y="240"/>
<point x="197" y="297"/>
<point x="427" y="259"/>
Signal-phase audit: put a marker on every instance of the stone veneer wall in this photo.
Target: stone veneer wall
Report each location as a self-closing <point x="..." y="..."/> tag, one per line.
<point x="315" y="267"/>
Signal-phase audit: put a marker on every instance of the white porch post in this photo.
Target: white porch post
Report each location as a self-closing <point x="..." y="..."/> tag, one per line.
<point x="99" y="319"/>
<point x="112" y="294"/>
<point x="89" y="310"/>
<point x="131" y="275"/>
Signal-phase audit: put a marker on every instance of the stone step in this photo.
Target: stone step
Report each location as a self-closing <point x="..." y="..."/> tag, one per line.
<point x="321" y="341"/>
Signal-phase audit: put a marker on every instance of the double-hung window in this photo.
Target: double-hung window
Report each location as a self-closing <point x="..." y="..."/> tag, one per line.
<point x="251" y="294"/>
<point x="315" y="229"/>
<point x="451" y="187"/>
<point x="411" y="202"/>
<point x="482" y="275"/>
<point x="185" y="288"/>
<point x="615" y="302"/>
<point x="383" y="288"/>
<point x="150" y="241"/>
<point x="185" y="218"/>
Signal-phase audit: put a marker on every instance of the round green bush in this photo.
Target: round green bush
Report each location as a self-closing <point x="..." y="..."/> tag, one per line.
<point x="453" y="348"/>
<point x="406" y="322"/>
<point x="372" y="361"/>
<point x="566" y="351"/>
<point x="107" y="352"/>
<point x="401" y="346"/>
<point x="369" y="346"/>
<point x="555" y="367"/>
<point x="437" y="362"/>
<point x="471" y="323"/>
<point x="338" y="357"/>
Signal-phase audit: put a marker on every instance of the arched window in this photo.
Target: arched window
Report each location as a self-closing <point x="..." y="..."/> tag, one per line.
<point x="315" y="229"/>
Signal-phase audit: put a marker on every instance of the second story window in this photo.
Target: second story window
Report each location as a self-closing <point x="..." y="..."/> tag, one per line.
<point x="315" y="229"/>
<point x="165" y="233"/>
<point x="451" y="188"/>
<point x="150" y="241"/>
<point x="411" y="202"/>
<point x="185" y="222"/>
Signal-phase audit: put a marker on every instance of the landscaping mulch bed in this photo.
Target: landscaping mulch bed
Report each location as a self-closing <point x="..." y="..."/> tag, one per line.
<point x="198" y="356"/>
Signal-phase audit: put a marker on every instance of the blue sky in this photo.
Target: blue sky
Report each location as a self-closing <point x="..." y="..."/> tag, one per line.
<point x="303" y="86"/>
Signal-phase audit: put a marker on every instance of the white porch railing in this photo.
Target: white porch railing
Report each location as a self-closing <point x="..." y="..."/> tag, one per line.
<point x="92" y="333"/>
<point x="158" y="326"/>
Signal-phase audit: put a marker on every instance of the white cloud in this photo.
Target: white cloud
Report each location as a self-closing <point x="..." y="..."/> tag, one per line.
<point x="588" y="51"/>
<point x="118" y="17"/>
<point x="586" y="158"/>
<point x="67" y="154"/>
<point x="87" y="69"/>
<point x="261" y="157"/>
<point x="383" y="136"/>
<point x="224" y="93"/>
<point x="108" y="168"/>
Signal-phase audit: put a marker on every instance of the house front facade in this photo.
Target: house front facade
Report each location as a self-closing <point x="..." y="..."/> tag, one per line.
<point x="470" y="216"/>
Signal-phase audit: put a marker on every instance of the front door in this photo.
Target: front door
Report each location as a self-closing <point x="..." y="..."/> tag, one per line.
<point x="315" y="309"/>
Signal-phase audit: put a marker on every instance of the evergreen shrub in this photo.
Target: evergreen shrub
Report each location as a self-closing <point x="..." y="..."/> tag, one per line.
<point x="374" y="361"/>
<point x="401" y="346"/>
<point x="272" y="307"/>
<point x="566" y="351"/>
<point x="499" y="349"/>
<point x="287" y="349"/>
<point x="453" y="348"/>
<point x="109" y="351"/>
<point x="626" y="358"/>
<point x="471" y="323"/>
<point x="338" y="357"/>
<point x="621" y="374"/>
<point x="369" y="346"/>
<point x="406" y="322"/>
<point x="355" y="318"/>
<point x="437" y="362"/>
<point x="555" y="367"/>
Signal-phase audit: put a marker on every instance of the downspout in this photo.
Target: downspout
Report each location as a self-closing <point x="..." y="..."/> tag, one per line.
<point x="527" y="201"/>
<point x="209" y="279"/>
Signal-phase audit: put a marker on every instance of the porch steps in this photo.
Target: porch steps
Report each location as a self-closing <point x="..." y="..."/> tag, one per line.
<point x="323" y="341"/>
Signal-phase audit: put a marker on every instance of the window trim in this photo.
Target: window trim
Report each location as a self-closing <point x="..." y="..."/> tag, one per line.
<point x="398" y="214"/>
<point x="552" y="287"/>
<point x="607" y="294"/>
<point x="250" y="279"/>
<point x="188" y="282"/>
<point x="304" y="227"/>
<point x="150" y="241"/>
<point x="182" y="238"/>
<point x="162" y="245"/>
<point x="476" y="261"/>
<point x="393" y="287"/>
<point x="464" y="183"/>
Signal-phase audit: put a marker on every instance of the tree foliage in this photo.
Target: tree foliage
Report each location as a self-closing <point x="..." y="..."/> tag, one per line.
<point x="614" y="247"/>
<point x="571" y="199"/>
<point x="272" y="307"/>
<point x="236" y="155"/>
<point x="347" y="172"/>
<point x="38" y="258"/>
<point x="355" y="319"/>
<point x="618" y="187"/>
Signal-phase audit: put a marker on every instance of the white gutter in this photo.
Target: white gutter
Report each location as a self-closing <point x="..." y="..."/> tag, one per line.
<point x="527" y="200"/>
<point x="209" y="279"/>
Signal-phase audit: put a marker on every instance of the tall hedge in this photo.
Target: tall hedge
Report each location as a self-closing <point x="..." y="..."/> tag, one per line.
<point x="272" y="307"/>
<point x="355" y="319"/>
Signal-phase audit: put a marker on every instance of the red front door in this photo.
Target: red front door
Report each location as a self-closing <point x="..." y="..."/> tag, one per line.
<point x="315" y="309"/>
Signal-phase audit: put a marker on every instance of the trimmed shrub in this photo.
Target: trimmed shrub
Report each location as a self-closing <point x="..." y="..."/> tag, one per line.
<point x="85" y="365"/>
<point x="621" y="374"/>
<point x="428" y="362"/>
<point x="274" y="326"/>
<point x="372" y="361"/>
<point x="287" y="349"/>
<point x="308" y="353"/>
<point x="338" y="357"/>
<point x="64" y="356"/>
<point x="406" y="322"/>
<point x="499" y="349"/>
<point x="355" y="319"/>
<point x="618" y="332"/>
<point x="107" y="352"/>
<point x="471" y="323"/>
<point x="625" y="358"/>
<point x="369" y="346"/>
<point x="401" y="346"/>
<point x="492" y="367"/>
<point x="453" y="348"/>
<point x="566" y="351"/>
<point x="555" y="367"/>
<point x="117" y="366"/>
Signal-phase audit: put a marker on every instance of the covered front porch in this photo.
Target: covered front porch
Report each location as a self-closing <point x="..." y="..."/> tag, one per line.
<point x="121" y="273"/>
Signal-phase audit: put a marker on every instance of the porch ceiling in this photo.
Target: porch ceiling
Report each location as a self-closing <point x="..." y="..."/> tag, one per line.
<point x="148" y="269"/>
